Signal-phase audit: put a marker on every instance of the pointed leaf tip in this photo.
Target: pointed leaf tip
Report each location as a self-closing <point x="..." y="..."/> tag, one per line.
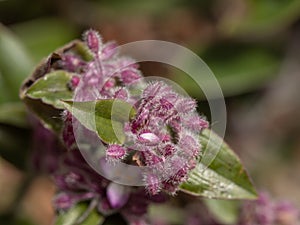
<point x="224" y="177"/>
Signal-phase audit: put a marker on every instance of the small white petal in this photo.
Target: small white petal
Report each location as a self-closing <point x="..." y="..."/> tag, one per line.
<point x="150" y="137"/>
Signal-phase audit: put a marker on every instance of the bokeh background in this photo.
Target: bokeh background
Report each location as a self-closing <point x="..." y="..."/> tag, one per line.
<point x="252" y="46"/>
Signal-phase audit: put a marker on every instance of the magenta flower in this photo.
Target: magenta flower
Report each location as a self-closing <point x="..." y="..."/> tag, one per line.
<point x="115" y="152"/>
<point x="105" y="75"/>
<point x="162" y="138"/>
<point x="165" y="135"/>
<point x="78" y="182"/>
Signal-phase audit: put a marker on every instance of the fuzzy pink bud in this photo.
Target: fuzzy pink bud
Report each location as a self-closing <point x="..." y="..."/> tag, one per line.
<point x="75" y="81"/>
<point x="128" y="76"/>
<point x="190" y="146"/>
<point x="152" y="90"/>
<point x="152" y="159"/>
<point x="67" y="200"/>
<point x="93" y="41"/>
<point x="186" y="105"/>
<point x="195" y="123"/>
<point x="115" y="152"/>
<point x="152" y="183"/>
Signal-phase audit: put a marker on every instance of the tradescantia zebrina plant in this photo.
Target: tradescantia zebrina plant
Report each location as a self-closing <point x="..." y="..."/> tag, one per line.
<point x="152" y="127"/>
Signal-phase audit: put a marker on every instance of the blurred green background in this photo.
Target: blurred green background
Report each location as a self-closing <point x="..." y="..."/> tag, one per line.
<point x="252" y="46"/>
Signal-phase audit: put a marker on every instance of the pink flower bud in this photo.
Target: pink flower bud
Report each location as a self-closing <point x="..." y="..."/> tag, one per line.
<point x="117" y="195"/>
<point x="195" y="123"/>
<point x="75" y="81"/>
<point x="186" y="105"/>
<point x="67" y="200"/>
<point x="189" y="145"/>
<point x="152" y="159"/>
<point x="129" y="76"/>
<point x="152" y="183"/>
<point x="115" y="152"/>
<point x="93" y="41"/>
<point x="152" y="90"/>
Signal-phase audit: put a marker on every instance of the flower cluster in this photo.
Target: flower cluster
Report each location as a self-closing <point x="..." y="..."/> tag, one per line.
<point x="163" y="136"/>
<point x="77" y="182"/>
<point x="105" y="75"/>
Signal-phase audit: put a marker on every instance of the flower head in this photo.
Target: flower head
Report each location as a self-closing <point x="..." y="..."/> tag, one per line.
<point x="105" y="74"/>
<point x="164" y="132"/>
<point x="162" y="138"/>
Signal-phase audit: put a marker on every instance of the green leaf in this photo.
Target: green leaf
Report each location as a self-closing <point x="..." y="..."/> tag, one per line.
<point x="224" y="211"/>
<point x="13" y="113"/>
<point x="223" y="178"/>
<point x="50" y="117"/>
<point x="106" y="117"/>
<point x="15" y="65"/>
<point x="52" y="88"/>
<point x="44" y="91"/>
<point x="76" y="215"/>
